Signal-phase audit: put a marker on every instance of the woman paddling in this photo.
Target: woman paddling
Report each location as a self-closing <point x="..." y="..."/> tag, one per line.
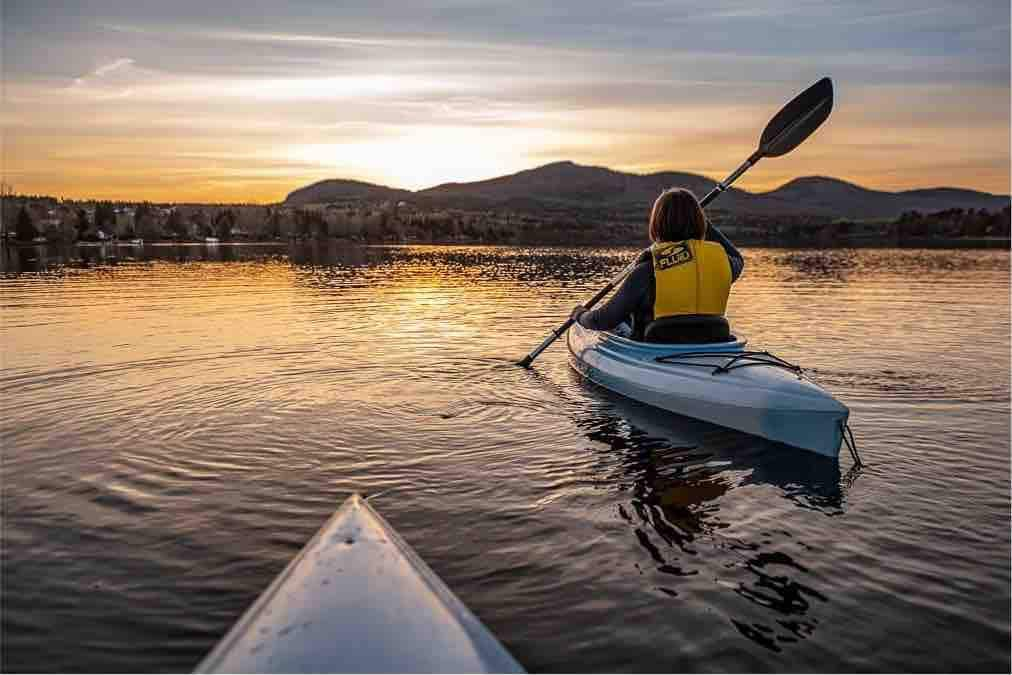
<point x="678" y="290"/>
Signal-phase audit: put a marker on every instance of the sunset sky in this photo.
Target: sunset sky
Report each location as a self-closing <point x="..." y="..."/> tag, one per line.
<point x="246" y="101"/>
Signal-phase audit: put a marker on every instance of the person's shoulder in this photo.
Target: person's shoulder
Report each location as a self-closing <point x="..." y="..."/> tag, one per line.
<point x="644" y="267"/>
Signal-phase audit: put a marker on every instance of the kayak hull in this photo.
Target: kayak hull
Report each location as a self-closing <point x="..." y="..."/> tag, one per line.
<point x="768" y="401"/>
<point x="358" y="599"/>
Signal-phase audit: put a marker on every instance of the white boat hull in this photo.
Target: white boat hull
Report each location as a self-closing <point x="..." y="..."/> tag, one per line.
<point x="358" y="599"/>
<point x="767" y="401"/>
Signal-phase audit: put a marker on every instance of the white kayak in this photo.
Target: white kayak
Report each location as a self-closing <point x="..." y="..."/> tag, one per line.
<point x="721" y="383"/>
<point x="358" y="599"/>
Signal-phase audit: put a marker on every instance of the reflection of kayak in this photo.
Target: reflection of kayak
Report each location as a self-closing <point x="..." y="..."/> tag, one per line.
<point x="357" y="598"/>
<point x="754" y="392"/>
<point x="685" y="494"/>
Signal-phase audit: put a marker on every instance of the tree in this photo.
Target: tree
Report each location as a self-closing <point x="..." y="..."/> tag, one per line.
<point x="272" y="224"/>
<point x="146" y="224"/>
<point x="82" y="223"/>
<point x="105" y="217"/>
<point x="974" y="223"/>
<point x="68" y="225"/>
<point x="142" y="214"/>
<point x="199" y="223"/>
<point x="471" y="231"/>
<point x="223" y="224"/>
<point x="24" y="229"/>
<point x="303" y="223"/>
<point x="175" y="224"/>
<point x="143" y="209"/>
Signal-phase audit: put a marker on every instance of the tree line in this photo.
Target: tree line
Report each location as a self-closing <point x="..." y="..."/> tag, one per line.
<point x="153" y="222"/>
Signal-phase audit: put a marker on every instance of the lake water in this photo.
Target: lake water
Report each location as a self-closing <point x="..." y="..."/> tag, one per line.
<point x="178" y="421"/>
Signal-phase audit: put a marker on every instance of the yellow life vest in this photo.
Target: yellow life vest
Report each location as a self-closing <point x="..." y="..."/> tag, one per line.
<point x="691" y="277"/>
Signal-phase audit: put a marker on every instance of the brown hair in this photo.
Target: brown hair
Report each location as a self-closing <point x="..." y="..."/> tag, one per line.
<point x="677" y="216"/>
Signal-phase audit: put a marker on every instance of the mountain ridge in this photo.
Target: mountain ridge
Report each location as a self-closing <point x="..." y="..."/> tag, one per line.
<point x="568" y="185"/>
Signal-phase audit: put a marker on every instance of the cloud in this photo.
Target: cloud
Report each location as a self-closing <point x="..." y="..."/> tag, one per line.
<point x="491" y="86"/>
<point x="110" y="80"/>
<point x="102" y="71"/>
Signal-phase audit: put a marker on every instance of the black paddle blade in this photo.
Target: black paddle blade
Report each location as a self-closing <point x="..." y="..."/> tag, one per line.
<point x="797" y="120"/>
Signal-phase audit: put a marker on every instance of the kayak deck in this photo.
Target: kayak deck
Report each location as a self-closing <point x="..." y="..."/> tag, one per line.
<point x="357" y="598"/>
<point x="721" y="383"/>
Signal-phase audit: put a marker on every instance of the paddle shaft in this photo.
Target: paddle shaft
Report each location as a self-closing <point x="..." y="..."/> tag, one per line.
<point x="561" y="330"/>
<point x="617" y="279"/>
<point x="726" y="183"/>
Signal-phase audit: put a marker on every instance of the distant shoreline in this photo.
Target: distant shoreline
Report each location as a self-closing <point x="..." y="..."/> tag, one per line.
<point x="745" y="242"/>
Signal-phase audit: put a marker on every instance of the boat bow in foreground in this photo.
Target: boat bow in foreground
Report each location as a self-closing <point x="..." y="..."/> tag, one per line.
<point x="358" y="599"/>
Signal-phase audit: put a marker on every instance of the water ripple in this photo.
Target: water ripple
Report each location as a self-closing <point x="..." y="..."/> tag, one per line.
<point x="177" y="422"/>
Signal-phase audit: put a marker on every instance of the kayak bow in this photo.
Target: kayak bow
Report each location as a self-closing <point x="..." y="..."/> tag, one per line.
<point x="358" y="599"/>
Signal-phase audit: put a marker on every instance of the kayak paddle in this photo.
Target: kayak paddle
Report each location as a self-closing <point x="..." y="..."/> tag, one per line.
<point x="793" y="124"/>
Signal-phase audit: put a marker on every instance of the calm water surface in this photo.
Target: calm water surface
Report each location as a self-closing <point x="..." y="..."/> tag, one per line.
<point x="178" y="421"/>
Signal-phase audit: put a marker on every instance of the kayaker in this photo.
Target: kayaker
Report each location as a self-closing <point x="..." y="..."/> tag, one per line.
<point x="685" y="275"/>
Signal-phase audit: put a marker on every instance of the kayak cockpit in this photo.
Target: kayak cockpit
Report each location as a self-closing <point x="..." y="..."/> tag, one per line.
<point x="689" y="328"/>
<point x="655" y="349"/>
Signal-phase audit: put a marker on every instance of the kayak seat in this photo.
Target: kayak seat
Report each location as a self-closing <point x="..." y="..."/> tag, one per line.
<point x="689" y="329"/>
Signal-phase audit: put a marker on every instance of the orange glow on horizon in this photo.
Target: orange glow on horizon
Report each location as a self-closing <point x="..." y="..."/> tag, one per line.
<point x="128" y="131"/>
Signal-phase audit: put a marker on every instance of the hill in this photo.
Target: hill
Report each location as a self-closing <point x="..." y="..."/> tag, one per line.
<point x="831" y="196"/>
<point x="566" y="185"/>
<point x="337" y="190"/>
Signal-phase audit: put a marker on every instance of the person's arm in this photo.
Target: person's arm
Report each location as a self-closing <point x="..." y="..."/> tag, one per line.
<point x="621" y="305"/>
<point x="733" y="254"/>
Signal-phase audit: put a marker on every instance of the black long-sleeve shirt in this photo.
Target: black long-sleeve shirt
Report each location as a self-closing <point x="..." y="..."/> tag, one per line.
<point x="635" y="297"/>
